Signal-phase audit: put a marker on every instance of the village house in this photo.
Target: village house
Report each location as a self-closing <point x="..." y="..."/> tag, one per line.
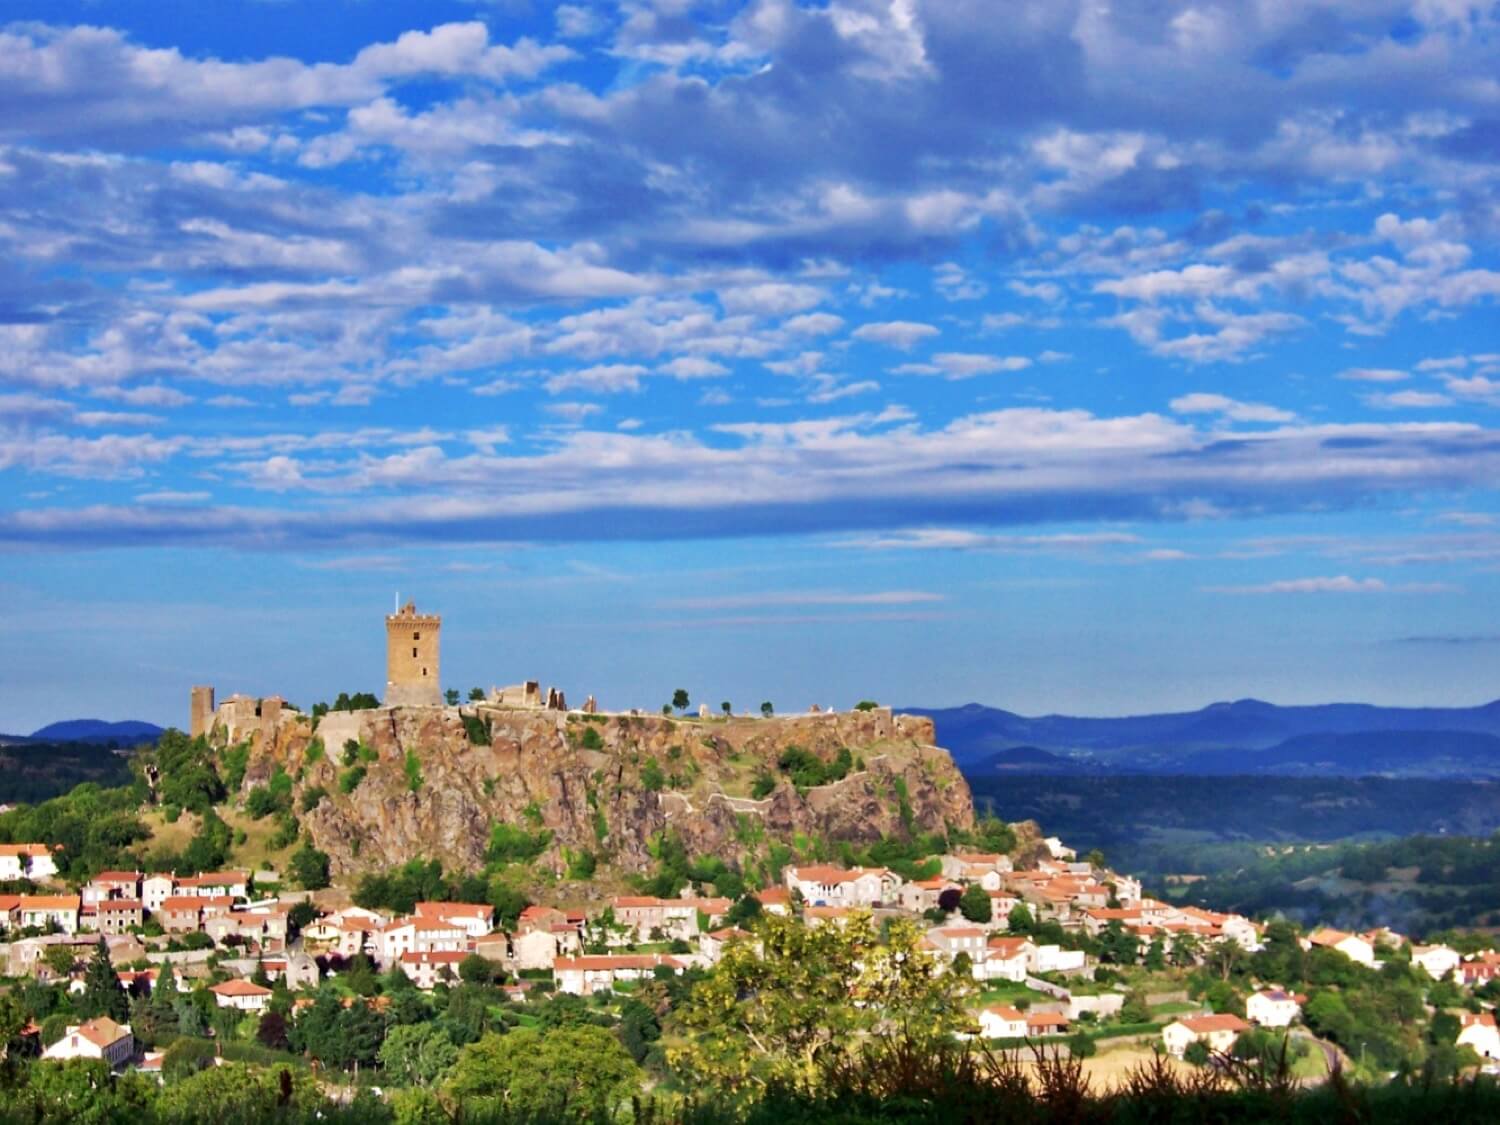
<point x="48" y="911"/>
<point x="1478" y="1030"/>
<point x="243" y="995"/>
<point x="583" y="976"/>
<point x="1353" y="946"/>
<point x="1001" y="1021"/>
<point x="1217" y="1033"/>
<point x="949" y="941"/>
<point x="475" y="918"/>
<point x="426" y="970"/>
<point x="118" y="915"/>
<point x="26" y="861"/>
<point x="922" y="895"/>
<point x="969" y="865"/>
<point x="1437" y="961"/>
<point x="266" y="932"/>
<point x="655" y="919"/>
<point x="101" y="1038"/>
<point x="494" y="947"/>
<point x="156" y="889"/>
<point x="215" y="884"/>
<point x="188" y="913"/>
<point x="1055" y="959"/>
<point x="775" y="900"/>
<point x="418" y="935"/>
<point x="1005" y="958"/>
<point x="826" y="885"/>
<point x="111" y="885"/>
<point x="1480" y="968"/>
<point x="1272" y="1007"/>
<point x="815" y="916"/>
<point x="1040" y="1024"/>
<point x="538" y="949"/>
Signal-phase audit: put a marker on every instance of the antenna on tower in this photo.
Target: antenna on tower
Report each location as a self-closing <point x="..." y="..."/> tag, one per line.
<point x="397" y="607"/>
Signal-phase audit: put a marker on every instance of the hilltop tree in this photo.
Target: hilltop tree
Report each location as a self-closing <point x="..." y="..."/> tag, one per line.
<point x="476" y="695"/>
<point x="767" y="710"/>
<point x="680" y="699"/>
<point x="727" y="708"/>
<point x="450" y="697"/>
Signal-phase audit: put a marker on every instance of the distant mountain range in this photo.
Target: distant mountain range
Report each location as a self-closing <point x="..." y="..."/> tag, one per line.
<point x="126" y="733"/>
<point x="1247" y="736"/>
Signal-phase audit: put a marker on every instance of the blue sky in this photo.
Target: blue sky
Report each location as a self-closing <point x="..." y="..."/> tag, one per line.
<point x="1092" y="358"/>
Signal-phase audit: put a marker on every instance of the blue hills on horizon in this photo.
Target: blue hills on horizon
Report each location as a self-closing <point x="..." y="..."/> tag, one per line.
<point x="127" y="732"/>
<point x="1246" y="736"/>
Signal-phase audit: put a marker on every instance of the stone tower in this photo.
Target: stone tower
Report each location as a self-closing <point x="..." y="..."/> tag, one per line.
<point x="201" y="710"/>
<point x="411" y="658"/>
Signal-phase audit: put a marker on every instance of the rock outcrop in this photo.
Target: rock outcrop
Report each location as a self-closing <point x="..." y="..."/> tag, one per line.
<point x="436" y="780"/>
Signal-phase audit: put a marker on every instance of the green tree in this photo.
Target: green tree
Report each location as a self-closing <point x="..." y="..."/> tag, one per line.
<point x="570" y="1074"/>
<point x="476" y="695"/>
<point x="310" y="867"/>
<point x="680" y="699"/>
<point x="727" y="708"/>
<point x="819" y="995"/>
<point x="975" y="904"/>
<point x="767" y="710"/>
<point x="102" y="994"/>
<point x="1197" y="1053"/>
<point x="475" y="969"/>
<point x="1019" y="920"/>
<point x="417" y="1055"/>
<point x="450" y="697"/>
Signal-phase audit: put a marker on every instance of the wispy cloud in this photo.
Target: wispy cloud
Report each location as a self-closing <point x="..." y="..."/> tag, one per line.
<point x="772" y="598"/>
<point x="1337" y="584"/>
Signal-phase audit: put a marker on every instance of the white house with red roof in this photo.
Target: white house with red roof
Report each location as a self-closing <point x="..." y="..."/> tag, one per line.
<point x="1272" y="1007"/>
<point x="1353" y="946"/>
<point x="1437" y="961"/>
<point x="100" y="1038"/>
<point x="425" y="970"/>
<point x="27" y="861"/>
<point x="583" y="976"/>
<point x="1216" y="1032"/>
<point x="43" y="911"/>
<point x="828" y="885"/>
<point x="1001" y="1021"/>
<point x="243" y="995"/>
<point x="1005" y="958"/>
<point x="1478" y="1030"/>
<point x="475" y="918"/>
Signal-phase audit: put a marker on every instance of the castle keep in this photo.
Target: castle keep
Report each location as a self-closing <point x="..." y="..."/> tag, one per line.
<point x="411" y="658"/>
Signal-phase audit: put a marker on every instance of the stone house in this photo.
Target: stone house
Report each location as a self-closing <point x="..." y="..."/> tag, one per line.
<point x="425" y="970"/>
<point x="111" y="885"/>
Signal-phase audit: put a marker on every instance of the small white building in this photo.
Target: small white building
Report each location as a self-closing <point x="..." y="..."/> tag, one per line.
<point x="1479" y="1032"/>
<point x="1006" y="958"/>
<point x="26" y="861"/>
<point x="1272" y="1007"/>
<point x="103" y="1039"/>
<point x="156" y="889"/>
<point x="1217" y="1032"/>
<point x="1352" y="946"/>
<point x="244" y="995"/>
<point x="827" y="885"/>
<point x="42" y="911"/>
<point x="1055" y="959"/>
<point x="1001" y="1021"/>
<point x="426" y="970"/>
<point x="1437" y="961"/>
<point x="475" y="918"/>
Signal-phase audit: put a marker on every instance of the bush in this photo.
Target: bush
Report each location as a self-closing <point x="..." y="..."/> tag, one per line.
<point x="477" y="729"/>
<point x="311" y="796"/>
<point x="866" y="705"/>
<point x="314" y="752"/>
<point x="591" y="739"/>
<point x="349" y="780"/>
<point x="762" y="786"/>
<point x="652" y="777"/>
<point x="413" y="767"/>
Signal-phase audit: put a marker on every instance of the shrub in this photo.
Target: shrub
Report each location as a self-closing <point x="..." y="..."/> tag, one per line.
<point x="349" y="780"/>
<point x="314" y="752"/>
<point x="866" y="705"/>
<point x="591" y="739"/>
<point x="413" y="767"/>
<point x="311" y="796"/>
<point x="762" y="786"/>
<point x="477" y="729"/>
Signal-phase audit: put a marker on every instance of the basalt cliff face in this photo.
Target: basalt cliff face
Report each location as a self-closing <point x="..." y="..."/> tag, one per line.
<point x="436" y="780"/>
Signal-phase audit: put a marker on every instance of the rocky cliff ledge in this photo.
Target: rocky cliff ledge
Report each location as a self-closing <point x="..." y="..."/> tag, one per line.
<point x="435" y="781"/>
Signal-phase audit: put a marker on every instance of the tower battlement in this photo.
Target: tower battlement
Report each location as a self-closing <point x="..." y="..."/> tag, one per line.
<point x="411" y="658"/>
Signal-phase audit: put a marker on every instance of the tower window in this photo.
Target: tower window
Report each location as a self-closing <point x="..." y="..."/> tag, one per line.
<point x="424" y="671"/>
<point x="416" y="636"/>
<point x="413" y="654"/>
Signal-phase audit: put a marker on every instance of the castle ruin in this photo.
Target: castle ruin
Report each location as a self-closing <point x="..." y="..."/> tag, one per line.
<point x="411" y="658"/>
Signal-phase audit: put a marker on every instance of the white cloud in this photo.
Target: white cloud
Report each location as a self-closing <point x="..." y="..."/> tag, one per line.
<point x="1372" y="375"/>
<point x="604" y="378"/>
<point x="1338" y="584"/>
<point x="1203" y="403"/>
<point x="902" y="334"/>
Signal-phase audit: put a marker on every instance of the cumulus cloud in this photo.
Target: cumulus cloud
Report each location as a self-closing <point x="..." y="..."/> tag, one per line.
<point x="1235" y="411"/>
